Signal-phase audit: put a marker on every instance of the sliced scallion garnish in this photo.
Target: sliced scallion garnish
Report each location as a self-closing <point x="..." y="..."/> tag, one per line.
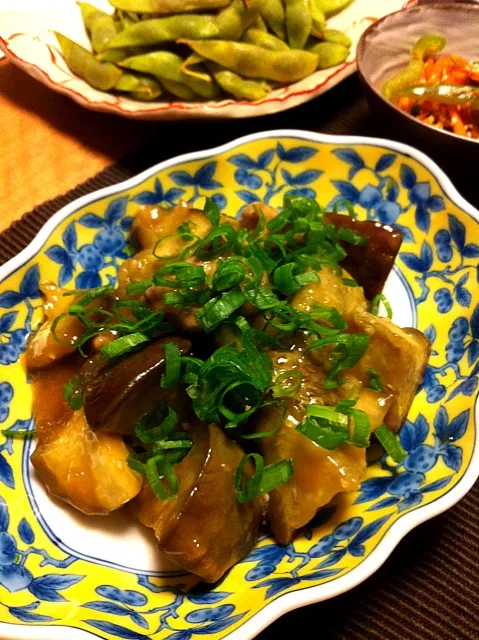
<point x="391" y="444"/>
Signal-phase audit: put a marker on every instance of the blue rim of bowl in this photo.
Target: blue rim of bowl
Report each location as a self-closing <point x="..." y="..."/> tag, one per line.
<point x="404" y="524"/>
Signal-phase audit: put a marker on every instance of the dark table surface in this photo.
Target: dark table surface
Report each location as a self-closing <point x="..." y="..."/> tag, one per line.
<point x="428" y="589"/>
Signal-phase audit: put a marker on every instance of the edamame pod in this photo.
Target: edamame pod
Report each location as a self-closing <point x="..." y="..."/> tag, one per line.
<point x="159" y="30"/>
<point x="179" y="90"/>
<point x="234" y="19"/>
<point x="264" y="40"/>
<point x="113" y="55"/>
<point x="339" y="37"/>
<point x="168" y="6"/>
<point x="299" y="22"/>
<point x="100" y="25"/>
<point x="165" y="65"/>
<point x="319" y="21"/>
<point x="254" y="62"/>
<point x="101" y="75"/>
<point x="331" y="7"/>
<point x="140" y="87"/>
<point x="329" y="54"/>
<point x="259" y="23"/>
<point x="272" y="12"/>
<point x="239" y="87"/>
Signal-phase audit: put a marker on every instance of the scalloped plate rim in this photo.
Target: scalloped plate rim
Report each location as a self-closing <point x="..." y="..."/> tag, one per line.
<point x="406" y="523"/>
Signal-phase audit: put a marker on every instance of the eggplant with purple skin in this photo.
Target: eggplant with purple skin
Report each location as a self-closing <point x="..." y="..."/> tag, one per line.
<point x="371" y="263"/>
<point x="204" y="529"/>
<point x="120" y="391"/>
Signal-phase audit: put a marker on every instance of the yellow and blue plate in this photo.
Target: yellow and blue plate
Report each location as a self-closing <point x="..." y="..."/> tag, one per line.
<point x="67" y="577"/>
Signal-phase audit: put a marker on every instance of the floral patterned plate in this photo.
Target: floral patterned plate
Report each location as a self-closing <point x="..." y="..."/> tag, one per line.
<point x="26" y="38"/>
<point x="69" y="577"/>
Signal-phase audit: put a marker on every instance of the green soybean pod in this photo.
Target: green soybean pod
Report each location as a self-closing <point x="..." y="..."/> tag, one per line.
<point x="319" y="20"/>
<point x="299" y="22"/>
<point x="159" y="30"/>
<point x="168" y="6"/>
<point x="179" y="90"/>
<point x="254" y="62"/>
<point x="331" y="7"/>
<point x="140" y="87"/>
<point x="272" y="12"/>
<point x="259" y="23"/>
<point x="101" y="75"/>
<point x="264" y="40"/>
<point x="166" y="65"/>
<point x="329" y="54"/>
<point x="100" y="25"/>
<point x="233" y="20"/>
<point x="339" y="37"/>
<point x="239" y="87"/>
<point x="113" y="55"/>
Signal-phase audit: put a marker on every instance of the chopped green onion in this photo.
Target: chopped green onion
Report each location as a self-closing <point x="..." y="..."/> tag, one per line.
<point x="307" y="278"/>
<point x="352" y="237"/>
<point x="172" y="444"/>
<point x="219" y="240"/>
<point x="73" y="392"/>
<point x="380" y="297"/>
<point x="263" y="297"/>
<point x="212" y="212"/>
<point x="361" y="428"/>
<point x="172" y="366"/>
<point x="138" y="287"/>
<point x="347" y="205"/>
<point x="287" y="383"/>
<point x="158" y="468"/>
<point x="229" y="273"/>
<point x="265" y="434"/>
<point x="156" y="426"/>
<point x="284" y="278"/>
<point x="185" y="232"/>
<point x="327" y="436"/>
<point x="244" y="396"/>
<point x="275" y="475"/>
<point x="391" y="444"/>
<point x="123" y="345"/>
<point x="19" y="433"/>
<point x="350" y="282"/>
<point x="265" y="478"/>
<point x="219" y="309"/>
<point x="374" y="380"/>
<point x="329" y="314"/>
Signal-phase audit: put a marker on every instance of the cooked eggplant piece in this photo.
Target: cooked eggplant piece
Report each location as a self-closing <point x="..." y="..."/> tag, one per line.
<point x="120" y="391"/>
<point x="370" y="264"/>
<point x="400" y="357"/>
<point x="204" y="529"/>
<point x="87" y="470"/>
